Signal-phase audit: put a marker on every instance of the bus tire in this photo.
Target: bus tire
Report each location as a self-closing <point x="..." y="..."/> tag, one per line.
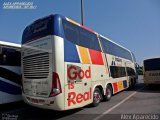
<point x="108" y="93"/>
<point x="97" y="97"/>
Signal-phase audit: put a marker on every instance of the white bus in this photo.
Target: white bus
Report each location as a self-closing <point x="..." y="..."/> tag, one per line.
<point x="66" y="65"/>
<point x="10" y="72"/>
<point x="152" y="71"/>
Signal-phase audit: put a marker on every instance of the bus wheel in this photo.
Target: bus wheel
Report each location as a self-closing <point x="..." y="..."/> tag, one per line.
<point x="97" y="96"/>
<point x="108" y="93"/>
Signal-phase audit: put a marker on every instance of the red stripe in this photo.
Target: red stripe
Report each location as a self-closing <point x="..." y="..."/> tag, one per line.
<point x="87" y="29"/>
<point x="115" y="87"/>
<point x="96" y="57"/>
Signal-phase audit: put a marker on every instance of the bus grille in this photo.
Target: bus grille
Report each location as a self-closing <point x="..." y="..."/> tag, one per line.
<point x="36" y="66"/>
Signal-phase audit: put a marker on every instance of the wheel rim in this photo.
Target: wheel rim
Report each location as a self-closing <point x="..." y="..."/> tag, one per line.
<point x="97" y="97"/>
<point x="108" y="93"/>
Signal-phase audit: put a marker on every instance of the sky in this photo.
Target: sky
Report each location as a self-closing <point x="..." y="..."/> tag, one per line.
<point x="134" y="24"/>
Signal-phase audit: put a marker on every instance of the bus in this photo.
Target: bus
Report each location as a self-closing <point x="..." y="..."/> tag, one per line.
<point x="10" y="72"/>
<point x="151" y="71"/>
<point x="66" y="65"/>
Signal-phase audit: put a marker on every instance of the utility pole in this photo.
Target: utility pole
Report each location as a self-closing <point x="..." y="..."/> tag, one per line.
<point x="82" y="11"/>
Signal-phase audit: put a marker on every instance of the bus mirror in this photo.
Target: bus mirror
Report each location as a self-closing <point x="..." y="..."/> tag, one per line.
<point x="140" y="72"/>
<point x="139" y="69"/>
<point x="137" y="66"/>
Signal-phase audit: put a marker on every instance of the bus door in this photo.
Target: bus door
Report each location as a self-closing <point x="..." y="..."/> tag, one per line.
<point x="73" y="85"/>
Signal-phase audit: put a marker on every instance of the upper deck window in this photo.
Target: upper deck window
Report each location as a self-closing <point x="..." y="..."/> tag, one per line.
<point x="80" y="36"/>
<point x="113" y="49"/>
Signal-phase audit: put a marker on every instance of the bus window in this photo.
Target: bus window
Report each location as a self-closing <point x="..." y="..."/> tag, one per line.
<point x="130" y="71"/>
<point x="117" y="72"/>
<point x="71" y="32"/>
<point x="7" y="55"/>
<point x="152" y="71"/>
<point x="153" y="64"/>
<point x="113" y="49"/>
<point x="80" y="36"/>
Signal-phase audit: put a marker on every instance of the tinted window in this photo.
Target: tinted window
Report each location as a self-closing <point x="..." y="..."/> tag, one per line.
<point x="117" y="72"/>
<point x="130" y="71"/>
<point x="71" y="32"/>
<point x="114" y="49"/>
<point x="152" y="64"/>
<point x="40" y="28"/>
<point x="10" y="56"/>
<point x="80" y="36"/>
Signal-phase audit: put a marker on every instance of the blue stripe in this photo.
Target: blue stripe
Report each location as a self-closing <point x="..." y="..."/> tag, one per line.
<point x="70" y="52"/>
<point x="125" y="83"/>
<point x="9" y="88"/>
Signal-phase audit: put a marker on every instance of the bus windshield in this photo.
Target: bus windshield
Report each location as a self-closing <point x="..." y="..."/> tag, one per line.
<point x="152" y="64"/>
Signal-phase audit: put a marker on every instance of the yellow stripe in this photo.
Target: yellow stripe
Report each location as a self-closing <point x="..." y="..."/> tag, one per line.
<point x="84" y="55"/>
<point x="72" y="21"/>
<point x="120" y="85"/>
<point x="104" y="61"/>
<point x="103" y="55"/>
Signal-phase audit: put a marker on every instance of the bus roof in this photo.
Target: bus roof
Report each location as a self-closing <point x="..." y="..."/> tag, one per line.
<point x="10" y="44"/>
<point x="152" y="58"/>
<point x="82" y="26"/>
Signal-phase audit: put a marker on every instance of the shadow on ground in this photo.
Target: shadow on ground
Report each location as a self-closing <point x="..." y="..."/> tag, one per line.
<point x="151" y="89"/>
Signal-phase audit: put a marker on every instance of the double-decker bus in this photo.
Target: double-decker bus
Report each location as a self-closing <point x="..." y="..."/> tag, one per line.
<point x="151" y="71"/>
<point x="10" y="72"/>
<point x="66" y="65"/>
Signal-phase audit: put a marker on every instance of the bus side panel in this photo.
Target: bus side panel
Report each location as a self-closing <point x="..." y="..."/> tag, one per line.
<point x="58" y="67"/>
<point x="99" y="72"/>
<point x="84" y="76"/>
<point x="100" y="76"/>
<point x="121" y="83"/>
<point x="8" y="98"/>
<point x="10" y="88"/>
<point x="73" y="85"/>
<point x="10" y="74"/>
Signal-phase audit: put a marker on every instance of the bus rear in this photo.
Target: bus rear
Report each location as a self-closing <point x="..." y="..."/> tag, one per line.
<point x="152" y="71"/>
<point x="42" y="65"/>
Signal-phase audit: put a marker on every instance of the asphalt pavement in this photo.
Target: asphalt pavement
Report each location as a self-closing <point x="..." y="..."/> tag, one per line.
<point x="139" y="103"/>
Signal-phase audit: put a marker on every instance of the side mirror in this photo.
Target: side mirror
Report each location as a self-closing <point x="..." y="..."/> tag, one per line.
<point x="140" y="72"/>
<point x="139" y="69"/>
